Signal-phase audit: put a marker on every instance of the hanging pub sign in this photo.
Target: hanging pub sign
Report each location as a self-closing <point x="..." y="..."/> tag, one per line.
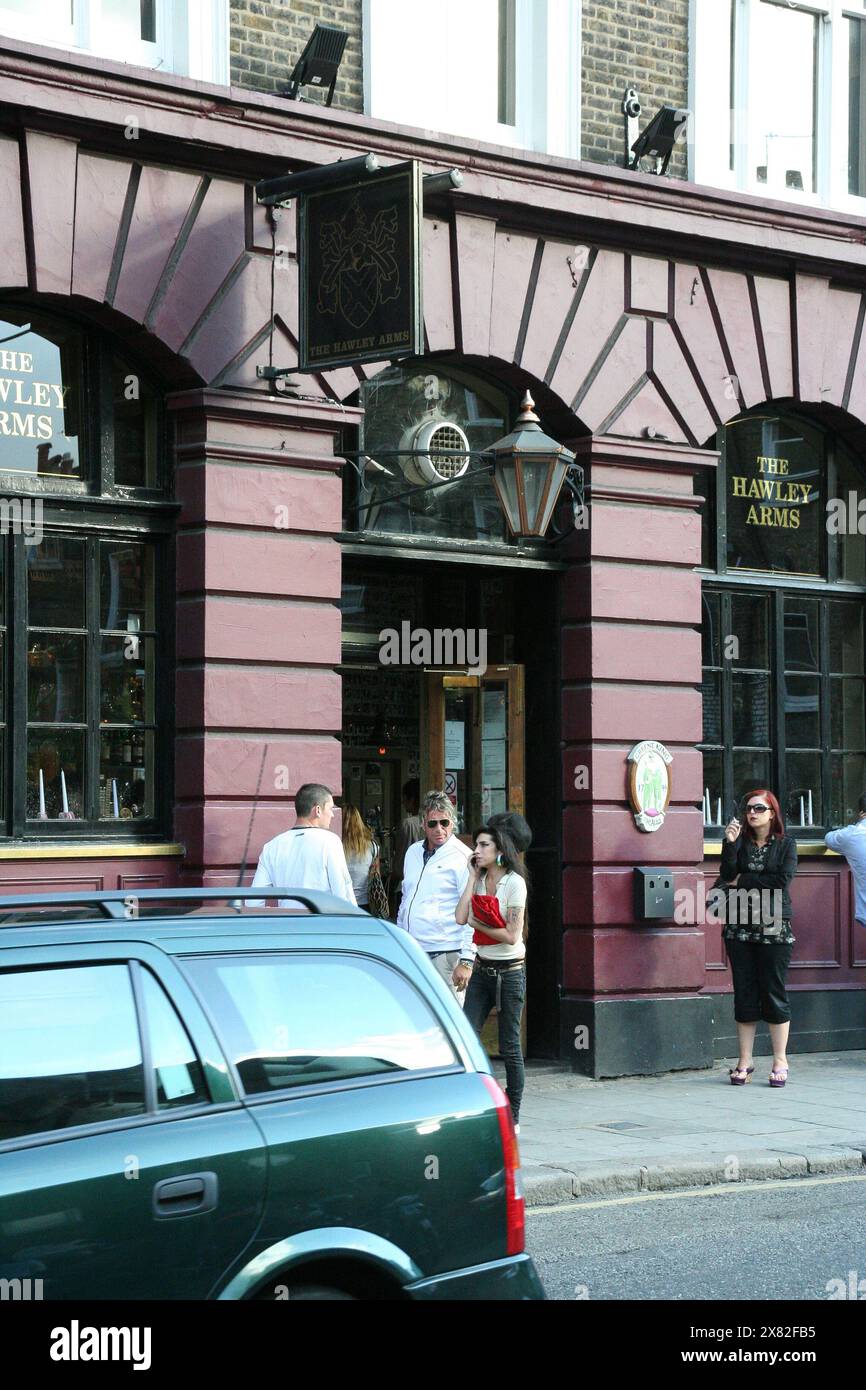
<point x="360" y="261"/>
<point x="649" y="783"/>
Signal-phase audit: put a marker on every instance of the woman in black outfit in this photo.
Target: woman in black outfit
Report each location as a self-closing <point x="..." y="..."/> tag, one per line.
<point x="759" y="941"/>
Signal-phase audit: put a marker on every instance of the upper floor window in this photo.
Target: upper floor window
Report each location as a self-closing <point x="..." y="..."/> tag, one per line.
<point x="189" y="37"/>
<point x="84" y="586"/>
<point x="504" y="71"/>
<point x="779" y="95"/>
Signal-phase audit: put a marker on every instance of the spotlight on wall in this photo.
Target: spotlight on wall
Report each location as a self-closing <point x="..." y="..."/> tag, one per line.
<point x="319" y="63"/>
<point x="666" y="129"/>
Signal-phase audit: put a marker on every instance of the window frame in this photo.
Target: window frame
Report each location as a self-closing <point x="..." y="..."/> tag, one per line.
<point x="547" y="91"/>
<point x="192" y="37"/>
<point x="826" y="588"/>
<point x="831" y="106"/>
<point x="93" y="508"/>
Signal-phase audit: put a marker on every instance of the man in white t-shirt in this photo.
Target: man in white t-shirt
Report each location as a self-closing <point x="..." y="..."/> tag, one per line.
<point x="309" y="855"/>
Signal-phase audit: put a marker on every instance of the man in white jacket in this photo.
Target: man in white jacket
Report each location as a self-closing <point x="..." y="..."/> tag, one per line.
<point x="435" y="873"/>
<point x="851" y="841"/>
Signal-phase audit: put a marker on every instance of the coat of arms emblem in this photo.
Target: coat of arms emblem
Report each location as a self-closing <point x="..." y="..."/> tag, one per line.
<point x="359" y="265"/>
<point x="649" y="784"/>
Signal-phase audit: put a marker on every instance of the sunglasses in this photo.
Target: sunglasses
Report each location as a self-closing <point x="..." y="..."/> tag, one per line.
<point x="432" y="824"/>
<point x="756" y="809"/>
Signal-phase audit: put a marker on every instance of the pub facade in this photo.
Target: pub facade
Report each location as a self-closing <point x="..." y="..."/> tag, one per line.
<point x="198" y="563"/>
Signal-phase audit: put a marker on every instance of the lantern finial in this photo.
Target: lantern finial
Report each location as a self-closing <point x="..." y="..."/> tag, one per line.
<point x="528" y="415"/>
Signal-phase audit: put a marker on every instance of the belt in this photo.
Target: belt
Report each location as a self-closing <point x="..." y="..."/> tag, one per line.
<point x="498" y="969"/>
<point x="434" y="955"/>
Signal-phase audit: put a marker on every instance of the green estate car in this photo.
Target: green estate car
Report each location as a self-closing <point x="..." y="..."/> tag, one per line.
<point x="201" y="1099"/>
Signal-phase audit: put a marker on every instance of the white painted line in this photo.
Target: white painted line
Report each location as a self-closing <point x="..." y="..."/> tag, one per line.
<point x="725" y="1189"/>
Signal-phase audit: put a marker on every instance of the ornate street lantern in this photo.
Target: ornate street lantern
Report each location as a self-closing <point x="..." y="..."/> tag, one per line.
<point x="529" y="470"/>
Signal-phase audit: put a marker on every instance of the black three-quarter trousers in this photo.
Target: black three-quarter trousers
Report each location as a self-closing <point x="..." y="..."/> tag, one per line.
<point x="759" y="973"/>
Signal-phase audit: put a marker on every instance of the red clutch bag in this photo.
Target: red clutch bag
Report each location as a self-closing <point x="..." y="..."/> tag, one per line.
<point x="485" y="908"/>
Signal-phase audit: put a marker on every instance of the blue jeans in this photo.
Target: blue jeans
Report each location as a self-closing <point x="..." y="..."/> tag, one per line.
<point x="480" y="999"/>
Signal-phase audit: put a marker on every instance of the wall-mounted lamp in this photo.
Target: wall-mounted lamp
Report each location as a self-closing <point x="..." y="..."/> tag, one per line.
<point x="667" y="128"/>
<point x="319" y="63"/>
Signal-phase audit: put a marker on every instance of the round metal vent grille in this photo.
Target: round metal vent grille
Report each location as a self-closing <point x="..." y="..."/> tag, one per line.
<point x="448" y="437"/>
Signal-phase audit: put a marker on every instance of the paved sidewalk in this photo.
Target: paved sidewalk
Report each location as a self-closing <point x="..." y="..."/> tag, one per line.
<point x="687" y="1129"/>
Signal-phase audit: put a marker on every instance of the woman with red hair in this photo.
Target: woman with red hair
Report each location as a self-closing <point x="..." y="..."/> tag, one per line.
<point x="758" y="937"/>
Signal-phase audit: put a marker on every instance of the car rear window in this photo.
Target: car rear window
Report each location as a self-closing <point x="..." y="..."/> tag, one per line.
<point x="304" y="1018"/>
<point x="69" y="1049"/>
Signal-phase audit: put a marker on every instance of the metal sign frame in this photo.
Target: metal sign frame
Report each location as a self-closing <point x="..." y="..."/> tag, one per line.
<point x="397" y="249"/>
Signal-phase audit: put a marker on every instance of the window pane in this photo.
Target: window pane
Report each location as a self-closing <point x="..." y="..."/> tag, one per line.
<point x="847" y="783"/>
<point x="55" y="583"/>
<point x="751" y="712"/>
<point x="712" y="697"/>
<point x="750" y="627"/>
<point x="40" y="396"/>
<point x="131" y="20"/>
<point x="802" y="711"/>
<point x="782" y="102"/>
<point x="126" y="586"/>
<point x="59" y="756"/>
<point x="847" y="712"/>
<point x="135" y="417"/>
<point x="292" y="1021"/>
<point x="774" y="482"/>
<point x="802" y="648"/>
<point x="711" y="631"/>
<point x="69" y="1049"/>
<point x="846" y="638"/>
<point x="126" y="775"/>
<point x="850" y="549"/>
<point x="751" y="769"/>
<point x="713" y="790"/>
<point x="507" y="61"/>
<point x="179" y="1076"/>
<point x="804" y="779"/>
<point x="857" y="107"/>
<point x="55" y="679"/>
<point x="126" y="679"/>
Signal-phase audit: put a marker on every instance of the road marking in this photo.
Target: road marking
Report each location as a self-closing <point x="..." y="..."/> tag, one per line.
<point x="728" y="1187"/>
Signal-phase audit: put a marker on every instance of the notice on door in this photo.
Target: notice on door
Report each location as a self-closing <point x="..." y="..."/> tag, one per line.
<point x="455" y="745"/>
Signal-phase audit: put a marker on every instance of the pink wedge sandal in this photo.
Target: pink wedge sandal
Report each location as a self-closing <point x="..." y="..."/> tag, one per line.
<point x="778" y="1077"/>
<point x="740" y="1075"/>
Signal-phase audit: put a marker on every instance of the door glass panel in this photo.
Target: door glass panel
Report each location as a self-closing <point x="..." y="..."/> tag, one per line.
<point x="69" y="1049"/>
<point x="459" y="713"/>
<point x="494" y="750"/>
<point x="310" y="1019"/>
<point x="179" y="1076"/>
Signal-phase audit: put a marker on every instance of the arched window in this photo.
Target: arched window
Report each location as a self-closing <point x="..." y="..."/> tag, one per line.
<point x="425" y="424"/>
<point x="783" y="639"/>
<point x="85" y="586"/>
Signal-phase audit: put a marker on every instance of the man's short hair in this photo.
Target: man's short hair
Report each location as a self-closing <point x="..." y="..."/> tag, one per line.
<point x="438" y="801"/>
<point x="862" y="804"/>
<point x="310" y="795"/>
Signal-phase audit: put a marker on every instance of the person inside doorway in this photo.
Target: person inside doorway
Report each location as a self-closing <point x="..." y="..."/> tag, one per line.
<point x="309" y="855"/>
<point x="494" y="905"/>
<point x="759" y="856"/>
<point x="435" y="873"/>
<point x="361" y="850"/>
<point x="411" y="829"/>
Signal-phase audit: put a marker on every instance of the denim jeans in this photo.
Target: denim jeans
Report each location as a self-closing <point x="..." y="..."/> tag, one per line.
<point x="480" y="999"/>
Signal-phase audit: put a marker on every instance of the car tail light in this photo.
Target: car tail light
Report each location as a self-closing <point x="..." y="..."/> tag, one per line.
<point x="515" y="1211"/>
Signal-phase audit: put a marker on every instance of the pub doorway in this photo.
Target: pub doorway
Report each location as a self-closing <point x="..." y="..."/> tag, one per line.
<point x="459" y="727"/>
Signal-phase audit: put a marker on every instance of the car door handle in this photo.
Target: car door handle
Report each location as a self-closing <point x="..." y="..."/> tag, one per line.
<point x="186" y="1196"/>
